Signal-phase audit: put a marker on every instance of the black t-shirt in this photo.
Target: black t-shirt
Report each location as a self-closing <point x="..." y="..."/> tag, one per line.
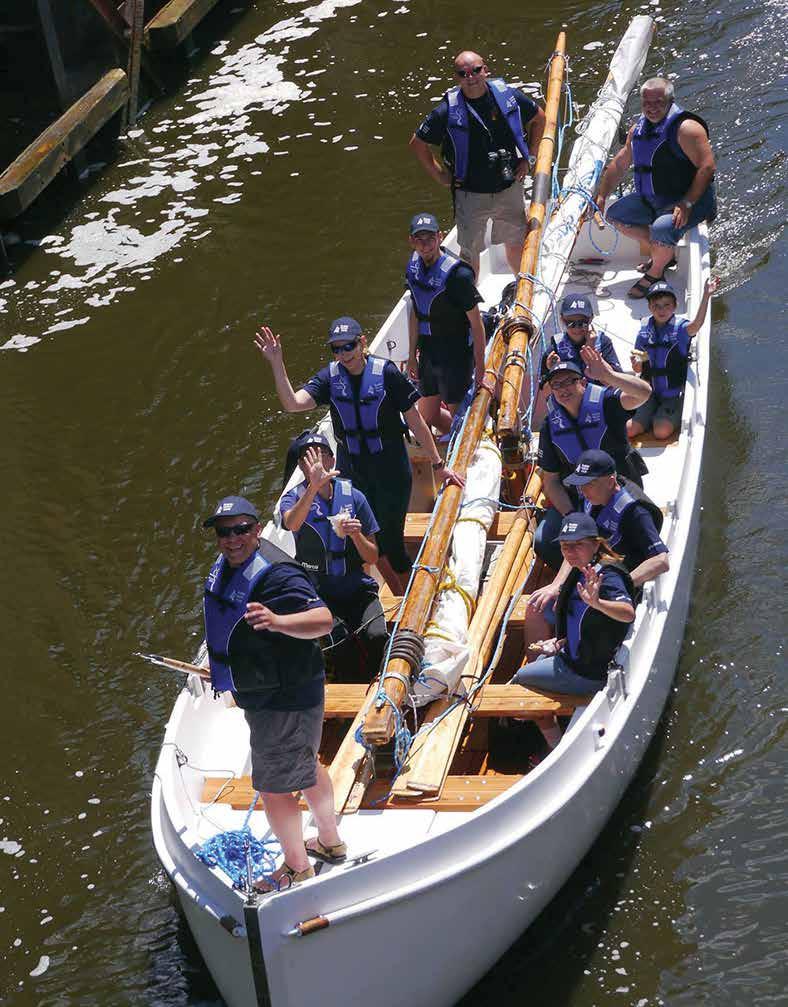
<point x="449" y="326"/>
<point x="481" y="176"/>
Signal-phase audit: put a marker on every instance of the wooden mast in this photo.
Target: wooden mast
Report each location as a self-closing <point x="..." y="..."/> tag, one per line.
<point x="520" y="328"/>
<point x="379" y="723"/>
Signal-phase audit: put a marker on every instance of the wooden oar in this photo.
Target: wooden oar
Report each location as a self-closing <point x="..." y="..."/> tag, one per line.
<point x="173" y="665"/>
<point x="520" y="328"/>
<point x="379" y="724"/>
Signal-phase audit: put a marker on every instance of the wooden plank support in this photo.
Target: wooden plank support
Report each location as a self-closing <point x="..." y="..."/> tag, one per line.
<point x="175" y="21"/>
<point x="26" y="177"/>
<point x="461" y="793"/>
<point x="416" y="526"/>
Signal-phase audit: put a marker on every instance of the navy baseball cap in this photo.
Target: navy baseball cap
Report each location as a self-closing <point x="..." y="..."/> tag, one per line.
<point x="591" y="465"/>
<point x="343" y="329"/>
<point x="659" y="288"/>
<point x="424" y="222"/>
<point x="577" y="526"/>
<point x="560" y="367"/>
<point x="308" y="439"/>
<point x="231" y="507"/>
<point x="577" y="304"/>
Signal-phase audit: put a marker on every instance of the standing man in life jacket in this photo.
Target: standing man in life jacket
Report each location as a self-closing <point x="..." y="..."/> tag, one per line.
<point x="583" y="412"/>
<point x="674" y="169"/>
<point x="661" y="356"/>
<point x="447" y="337"/>
<point x="577" y="315"/>
<point x="368" y="398"/>
<point x="334" y="530"/>
<point x="625" y="517"/>
<point x="262" y="622"/>
<point x="488" y="133"/>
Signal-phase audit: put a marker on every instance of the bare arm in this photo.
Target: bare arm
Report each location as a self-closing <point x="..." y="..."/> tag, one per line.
<point x="316" y="478"/>
<point x="542" y="596"/>
<point x="700" y="316"/>
<point x="366" y="545"/>
<point x="306" y="625"/>
<point x="650" y="569"/>
<point x="270" y="348"/>
<point x="555" y="490"/>
<point x="423" y="435"/>
<point x="634" y="390"/>
<point x="479" y="342"/>
<point x="425" y="157"/>
<point x="620" y="611"/>
<point x="694" y="142"/>
<point x="615" y="171"/>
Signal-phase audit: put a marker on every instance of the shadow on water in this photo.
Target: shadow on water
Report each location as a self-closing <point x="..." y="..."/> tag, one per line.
<point x="549" y="959"/>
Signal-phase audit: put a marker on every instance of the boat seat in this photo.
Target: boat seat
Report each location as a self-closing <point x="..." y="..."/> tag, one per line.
<point x="391" y="604"/>
<point x="650" y="441"/>
<point x="416" y="526"/>
<point x="460" y="793"/>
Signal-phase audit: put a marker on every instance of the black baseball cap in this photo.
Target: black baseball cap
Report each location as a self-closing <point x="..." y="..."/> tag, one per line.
<point x="577" y="526"/>
<point x="660" y="288"/>
<point x="343" y="329"/>
<point x="231" y="507"/>
<point x="577" y="304"/>
<point x="591" y="465"/>
<point x="308" y="439"/>
<point x="424" y="222"/>
<point x="562" y="365"/>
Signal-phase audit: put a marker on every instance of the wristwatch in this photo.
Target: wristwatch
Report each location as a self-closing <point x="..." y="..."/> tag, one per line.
<point x="688" y="203"/>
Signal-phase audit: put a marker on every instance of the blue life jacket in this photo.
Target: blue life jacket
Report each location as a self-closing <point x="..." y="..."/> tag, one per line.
<point x="667" y="366"/>
<point x="592" y="638"/>
<point x="574" y="436"/>
<point x="663" y="172"/>
<point x="318" y="548"/>
<point x="359" y="418"/>
<point x="224" y="609"/>
<point x="459" y="122"/>
<point x="608" y="520"/>
<point x="611" y="515"/>
<point x="425" y="284"/>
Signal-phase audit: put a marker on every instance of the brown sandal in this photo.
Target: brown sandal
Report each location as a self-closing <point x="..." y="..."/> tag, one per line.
<point x="639" y="290"/>
<point x="336" y="854"/>
<point x="284" y="877"/>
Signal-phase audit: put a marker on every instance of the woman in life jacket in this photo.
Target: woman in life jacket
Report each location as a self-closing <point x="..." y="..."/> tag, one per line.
<point x="592" y="616"/>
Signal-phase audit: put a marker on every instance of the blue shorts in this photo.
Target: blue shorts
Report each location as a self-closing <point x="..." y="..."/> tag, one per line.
<point x="554" y="675"/>
<point x="634" y="210"/>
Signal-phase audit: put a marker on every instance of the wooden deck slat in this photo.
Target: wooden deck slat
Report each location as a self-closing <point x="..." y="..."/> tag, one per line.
<point x="416" y="526"/>
<point x="27" y="176"/>
<point x="175" y="21"/>
<point x="460" y="793"/>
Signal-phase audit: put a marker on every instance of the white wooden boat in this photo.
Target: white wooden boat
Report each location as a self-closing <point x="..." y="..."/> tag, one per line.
<point x="436" y="889"/>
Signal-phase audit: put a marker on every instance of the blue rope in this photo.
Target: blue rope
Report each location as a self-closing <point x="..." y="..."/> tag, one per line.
<point x="228" y="852"/>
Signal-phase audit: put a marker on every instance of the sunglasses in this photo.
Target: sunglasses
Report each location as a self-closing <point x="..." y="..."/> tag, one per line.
<point x="582" y="323"/>
<point x="344" y="347"/>
<point x="473" y="72"/>
<point x="563" y="384"/>
<point x="235" y="529"/>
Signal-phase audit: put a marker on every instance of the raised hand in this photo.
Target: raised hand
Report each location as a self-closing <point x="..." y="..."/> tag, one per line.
<point x="597" y="368"/>
<point x="269" y="345"/>
<point x="711" y="285"/>
<point x="588" y="589"/>
<point x="552" y="359"/>
<point x="316" y="475"/>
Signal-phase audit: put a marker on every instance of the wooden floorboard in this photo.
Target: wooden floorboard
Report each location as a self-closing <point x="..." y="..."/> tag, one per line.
<point x="416" y="526"/>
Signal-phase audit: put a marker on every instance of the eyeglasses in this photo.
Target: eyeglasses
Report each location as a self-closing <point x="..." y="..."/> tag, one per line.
<point x="235" y="529"/>
<point x="581" y="323"/>
<point x="344" y="347"/>
<point x="473" y="72"/>
<point x="558" y="385"/>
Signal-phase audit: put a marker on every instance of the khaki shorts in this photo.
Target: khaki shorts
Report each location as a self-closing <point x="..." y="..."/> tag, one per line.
<point x="506" y="209"/>
<point x="284" y="746"/>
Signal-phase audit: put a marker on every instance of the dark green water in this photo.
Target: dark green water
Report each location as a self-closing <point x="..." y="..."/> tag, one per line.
<point x="276" y="186"/>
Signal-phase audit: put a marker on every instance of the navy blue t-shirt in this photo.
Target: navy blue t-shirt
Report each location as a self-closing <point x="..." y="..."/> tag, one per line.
<point x="285" y="589"/>
<point x="332" y="588"/>
<point x="482" y="176"/>
<point x="640" y="539"/>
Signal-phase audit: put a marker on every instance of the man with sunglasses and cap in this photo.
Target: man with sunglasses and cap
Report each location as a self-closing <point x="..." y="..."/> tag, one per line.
<point x="262" y="621"/>
<point x="488" y="133"/>
<point x="583" y="412"/>
<point x="334" y="531"/>
<point x="369" y="397"/>
<point x="447" y="337"/>
<point x="576" y="320"/>
<point x="628" y="519"/>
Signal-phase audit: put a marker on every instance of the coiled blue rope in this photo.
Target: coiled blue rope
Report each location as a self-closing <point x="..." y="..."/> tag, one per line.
<point x="229" y="852"/>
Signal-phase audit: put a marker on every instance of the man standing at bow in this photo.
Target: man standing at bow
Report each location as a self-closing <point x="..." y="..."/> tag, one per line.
<point x="488" y="133"/>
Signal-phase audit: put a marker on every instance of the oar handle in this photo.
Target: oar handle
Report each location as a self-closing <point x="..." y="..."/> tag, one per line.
<point x="173" y="665"/>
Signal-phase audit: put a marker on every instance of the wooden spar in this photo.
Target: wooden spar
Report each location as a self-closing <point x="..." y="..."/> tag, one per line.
<point x="379" y="722"/>
<point x="520" y="327"/>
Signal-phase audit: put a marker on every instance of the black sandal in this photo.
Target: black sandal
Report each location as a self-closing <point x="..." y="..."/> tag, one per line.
<point x="639" y="290"/>
<point x="643" y="267"/>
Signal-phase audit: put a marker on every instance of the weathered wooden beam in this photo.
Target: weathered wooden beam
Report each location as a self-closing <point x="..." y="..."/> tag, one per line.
<point x="65" y="90"/>
<point x="175" y="21"/>
<point x="26" y="177"/>
<point x="416" y="526"/>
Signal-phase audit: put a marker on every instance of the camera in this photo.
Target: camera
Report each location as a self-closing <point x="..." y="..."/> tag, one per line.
<point x="504" y="159"/>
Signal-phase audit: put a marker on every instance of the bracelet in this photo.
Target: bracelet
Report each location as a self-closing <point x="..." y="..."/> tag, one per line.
<point x="436" y="466"/>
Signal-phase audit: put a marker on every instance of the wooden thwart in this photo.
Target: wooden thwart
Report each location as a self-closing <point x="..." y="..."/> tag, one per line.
<point x="175" y="21"/>
<point x="416" y="526"/>
<point x="31" y="172"/>
<point x="460" y="793"/>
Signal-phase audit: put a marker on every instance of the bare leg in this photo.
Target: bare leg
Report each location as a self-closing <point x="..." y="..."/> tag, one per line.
<point x="284" y="817"/>
<point x="320" y="799"/>
<point x="661" y="255"/>
<point x="396" y="582"/>
<point x="634" y="429"/>
<point x="663" y="429"/>
<point x="551" y="732"/>
<point x="640" y="234"/>
<point x="536" y="628"/>
<point x="434" y="415"/>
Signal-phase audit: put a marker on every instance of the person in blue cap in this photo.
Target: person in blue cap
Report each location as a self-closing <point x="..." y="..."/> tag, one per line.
<point x="262" y="621"/>
<point x="447" y="337"/>
<point x="488" y="132"/>
<point x="628" y="519"/>
<point x="592" y="616"/>
<point x="334" y="531"/>
<point x="674" y="169"/>
<point x="583" y="411"/>
<point x="577" y="313"/>
<point x="369" y="398"/>
<point x="664" y="340"/>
